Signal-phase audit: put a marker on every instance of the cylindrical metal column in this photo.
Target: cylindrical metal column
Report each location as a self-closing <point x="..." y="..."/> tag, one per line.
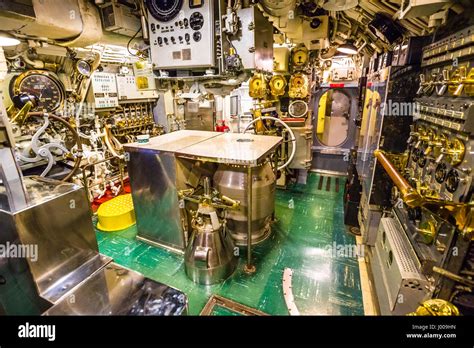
<point x="249" y="267"/>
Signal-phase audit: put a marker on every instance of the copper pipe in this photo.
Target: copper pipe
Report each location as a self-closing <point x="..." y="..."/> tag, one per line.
<point x="409" y="195"/>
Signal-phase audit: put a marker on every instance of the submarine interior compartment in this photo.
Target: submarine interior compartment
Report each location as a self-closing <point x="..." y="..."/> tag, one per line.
<point x="236" y="157"/>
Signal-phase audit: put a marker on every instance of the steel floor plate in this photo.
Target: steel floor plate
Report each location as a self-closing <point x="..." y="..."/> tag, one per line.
<point x="309" y="237"/>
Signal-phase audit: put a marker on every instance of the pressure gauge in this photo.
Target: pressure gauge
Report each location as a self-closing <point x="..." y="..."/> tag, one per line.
<point x="298" y="86"/>
<point x="164" y="10"/>
<point x="299" y="56"/>
<point x="298" y="109"/>
<point x="258" y="86"/>
<point x="278" y="85"/>
<point x="42" y="84"/>
<point x="84" y="68"/>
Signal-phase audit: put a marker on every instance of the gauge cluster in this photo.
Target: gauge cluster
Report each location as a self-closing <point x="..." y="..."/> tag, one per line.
<point x="182" y="33"/>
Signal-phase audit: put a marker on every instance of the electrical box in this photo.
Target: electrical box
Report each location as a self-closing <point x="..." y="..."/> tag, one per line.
<point x="128" y="90"/>
<point x="182" y="34"/>
<point x="254" y="41"/>
<point x="104" y="90"/>
<point x="420" y="8"/>
<point x="119" y="18"/>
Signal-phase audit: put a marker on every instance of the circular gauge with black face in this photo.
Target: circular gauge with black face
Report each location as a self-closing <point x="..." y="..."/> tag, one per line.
<point x="422" y="159"/>
<point x="42" y="84"/>
<point x="164" y="10"/>
<point x="196" y="22"/>
<point x="415" y="155"/>
<point x="452" y="181"/>
<point x="440" y="173"/>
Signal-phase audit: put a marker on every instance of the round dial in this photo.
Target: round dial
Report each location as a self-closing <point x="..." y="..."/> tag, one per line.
<point x="440" y="172"/>
<point x="452" y="181"/>
<point x="257" y="86"/>
<point x="84" y="68"/>
<point x="197" y="36"/>
<point x="164" y="10"/>
<point x="298" y="108"/>
<point x="196" y="22"/>
<point x="300" y="56"/>
<point x="422" y="159"/>
<point x="278" y="85"/>
<point x="47" y="88"/>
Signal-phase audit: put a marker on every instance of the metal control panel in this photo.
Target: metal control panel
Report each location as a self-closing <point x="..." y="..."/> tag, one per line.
<point x="128" y="89"/>
<point x="181" y="33"/>
<point x="104" y="90"/>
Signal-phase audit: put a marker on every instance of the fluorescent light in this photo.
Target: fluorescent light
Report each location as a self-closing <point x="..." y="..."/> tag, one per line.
<point x="347" y="48"/>
<point x="8" y="40"/>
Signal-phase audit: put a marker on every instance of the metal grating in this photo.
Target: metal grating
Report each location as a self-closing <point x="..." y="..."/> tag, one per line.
<point x="399" y="246"/>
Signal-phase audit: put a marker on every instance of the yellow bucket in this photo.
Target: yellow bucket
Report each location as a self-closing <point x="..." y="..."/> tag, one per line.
<point x="116" y="214"/>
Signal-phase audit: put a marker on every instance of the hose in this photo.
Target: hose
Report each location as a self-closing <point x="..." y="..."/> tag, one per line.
<point x="290" y="131"/>
<point x="75" y="135"/>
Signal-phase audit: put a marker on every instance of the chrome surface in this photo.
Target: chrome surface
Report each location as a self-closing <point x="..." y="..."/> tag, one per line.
<point x="174" y="141"/>
<point x="155" y="198"/>
<point x="58" y="222"/>
<point x="232" y="181"/>
<point x="399" y="285"/>
<point x="233" y="148"/>
<point x="209" y="256"/>
<point x="115" y="290"/>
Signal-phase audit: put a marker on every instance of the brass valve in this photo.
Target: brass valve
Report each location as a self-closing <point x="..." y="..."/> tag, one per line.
<point x="427" y="230"/>
<point x="455" y="150"/>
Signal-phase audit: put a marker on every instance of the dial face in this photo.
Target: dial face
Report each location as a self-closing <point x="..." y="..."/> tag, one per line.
<point x="164" y="10"/>
<point x="300" y="57"/>
<point x="298" y="108"/>
<point x="440" y="173"/>
<point x="46" y="88"/>
<point x="278" y="84"/>
<point x="196" y="21"/>
<point x="452" y="181"/>
<point x="84" y="68"/>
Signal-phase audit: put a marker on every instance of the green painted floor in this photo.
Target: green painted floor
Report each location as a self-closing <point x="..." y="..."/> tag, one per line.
<point x="305" y="238"/>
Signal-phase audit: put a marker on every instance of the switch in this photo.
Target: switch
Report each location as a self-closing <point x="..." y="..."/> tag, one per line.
<point x="166" y="40"/>
<point x="187" y="37"/>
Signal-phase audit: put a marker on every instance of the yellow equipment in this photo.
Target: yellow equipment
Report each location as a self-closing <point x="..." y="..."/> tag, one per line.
<point x="116" y="214"/>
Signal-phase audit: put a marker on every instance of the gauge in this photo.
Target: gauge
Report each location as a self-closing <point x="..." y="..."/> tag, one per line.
<point x="196" y="21"/>
<point x="197" y="36"/>
<point x="42" y="84"/>
<point x="300" y="56"/>
<point x="452" y="181"/>
<point x="298" y="108"/>
<point x="164" y="10"/>
<point x="278" y="85"/>
<point x="440" y="172"/>
<point x="422" y="160"/>
<point x="84" y="68"/>
<point x="257" y="86"/>
<point x="415" y="155"/>
<point x="298" y="86"/>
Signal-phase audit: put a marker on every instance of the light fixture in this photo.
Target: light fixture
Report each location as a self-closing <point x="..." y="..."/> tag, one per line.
<point x="8" y="39"/>
<point x="347" y="48"/>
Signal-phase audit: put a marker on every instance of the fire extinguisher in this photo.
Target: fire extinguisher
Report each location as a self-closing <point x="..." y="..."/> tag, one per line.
<point x="222" y="127"/>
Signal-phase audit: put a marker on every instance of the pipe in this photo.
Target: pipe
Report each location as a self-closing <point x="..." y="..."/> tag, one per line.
<point x="409" y="195"/>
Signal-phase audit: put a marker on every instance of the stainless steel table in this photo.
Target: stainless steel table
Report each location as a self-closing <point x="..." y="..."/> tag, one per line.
<point x="154" y="176"/>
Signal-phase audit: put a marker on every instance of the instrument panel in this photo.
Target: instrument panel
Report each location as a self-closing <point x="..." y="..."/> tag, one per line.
<point x="182" y="33"/>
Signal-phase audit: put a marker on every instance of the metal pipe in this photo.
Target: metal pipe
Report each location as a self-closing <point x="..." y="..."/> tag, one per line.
<point x="409" y="195"/>
<point x="249" y="268"/>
